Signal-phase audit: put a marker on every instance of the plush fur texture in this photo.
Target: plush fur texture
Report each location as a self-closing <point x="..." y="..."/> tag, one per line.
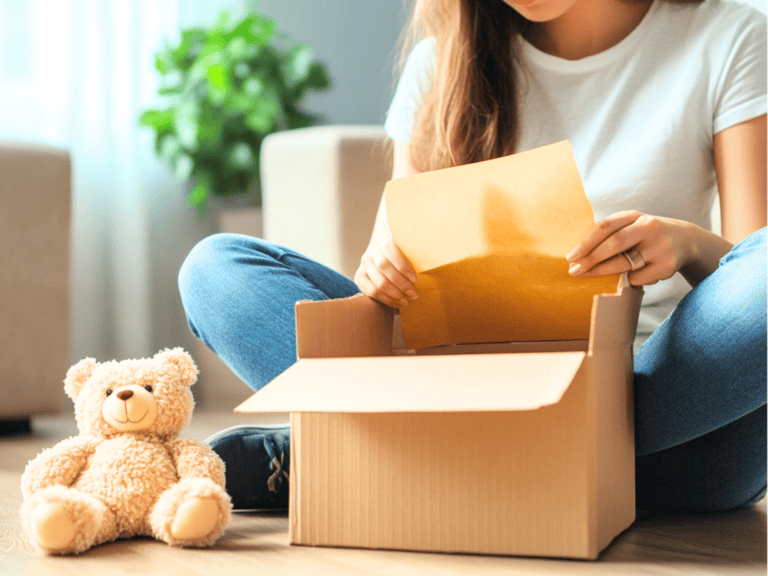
<point x="127" y="473"/>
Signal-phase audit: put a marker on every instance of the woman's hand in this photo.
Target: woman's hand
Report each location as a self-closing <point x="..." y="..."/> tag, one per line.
<point x="384" y="273"/>
<point x="664" y="244"/>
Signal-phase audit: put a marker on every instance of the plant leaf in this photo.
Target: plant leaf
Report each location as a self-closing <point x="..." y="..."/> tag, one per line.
<point x="184" y="166"/>
<point x="262" y="114"/>
<point x="187" y="125"/>
<point x="161" y="64"/>
<point x="297" y="119"/>
<point x="169" y="147"/>
<point x="241" y="157"/>
<point x="217" y="76"/>
<point x="157" y="119"/>
<point x="253" y="86"/>
<point x="237" y="47"/>
<point x="199" y="194"/>
<point x="239" y="101"/>
<point x="221" y="24"/>
<point x="243" y="29"/>
<point x="317" y="78"/>
<point x="262" y="29"/>
<point x="298" y="63"/>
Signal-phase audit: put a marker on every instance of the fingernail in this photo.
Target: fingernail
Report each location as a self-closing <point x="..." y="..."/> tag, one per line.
<point x="574" y="270"/>
<point x="413" y="278"/>
<point x="411" y="294"/>
<point x="403" y="302"/>
<point x="570" y="255"/>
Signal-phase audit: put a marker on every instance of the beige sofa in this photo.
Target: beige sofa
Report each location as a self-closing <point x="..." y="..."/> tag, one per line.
<point x="321" y="188"/>
<point x="35" y="190"/>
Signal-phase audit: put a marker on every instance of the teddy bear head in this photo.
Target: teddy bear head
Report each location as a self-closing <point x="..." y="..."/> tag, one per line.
<point x="149" y="397"/>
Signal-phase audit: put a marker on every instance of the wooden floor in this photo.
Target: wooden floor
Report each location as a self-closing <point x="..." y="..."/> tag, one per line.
<point x="257" y="543"/>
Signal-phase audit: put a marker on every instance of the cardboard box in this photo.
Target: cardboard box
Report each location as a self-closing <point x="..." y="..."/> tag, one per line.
<point x="520" y="448"/>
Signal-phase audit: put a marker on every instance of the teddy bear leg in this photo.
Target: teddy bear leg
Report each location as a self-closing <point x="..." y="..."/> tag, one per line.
<point x="193" y="512"/>
<point x="195" y="518"/>
<point x="61" y="520"/>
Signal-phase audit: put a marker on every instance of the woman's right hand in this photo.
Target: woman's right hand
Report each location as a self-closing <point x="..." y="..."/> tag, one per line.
<point x="384" y="273"/>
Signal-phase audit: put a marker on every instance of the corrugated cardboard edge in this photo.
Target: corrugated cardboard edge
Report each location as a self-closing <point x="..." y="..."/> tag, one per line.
<point x="610" y="366"/>
<point x="294" y="495"/>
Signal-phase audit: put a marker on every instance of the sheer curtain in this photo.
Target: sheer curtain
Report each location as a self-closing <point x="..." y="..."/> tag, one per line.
<point x="75" y="74"/>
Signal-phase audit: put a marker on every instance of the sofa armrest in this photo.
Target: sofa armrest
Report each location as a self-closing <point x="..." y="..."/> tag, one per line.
<point x="35" y="189"/>
<point x="321" y="189"/>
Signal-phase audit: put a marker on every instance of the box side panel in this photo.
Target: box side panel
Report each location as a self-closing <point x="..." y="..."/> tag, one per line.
<point x="345" y="327"/>
<point x="610" y="368"/>
<point x="496" y="483"/>
<point x="614" y="317"/>
<point x="612" y="373"/>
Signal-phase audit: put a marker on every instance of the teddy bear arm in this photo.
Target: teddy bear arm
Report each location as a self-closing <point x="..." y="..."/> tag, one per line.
<point x="58" y="465"/>
<point x="196" y="460"/>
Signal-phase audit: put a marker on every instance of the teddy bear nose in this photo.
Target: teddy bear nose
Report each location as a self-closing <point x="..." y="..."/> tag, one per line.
<point x="125" y="394"/>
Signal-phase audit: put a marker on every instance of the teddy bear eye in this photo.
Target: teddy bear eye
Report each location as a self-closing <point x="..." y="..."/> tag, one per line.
<point x="109" y="391"/>
<point x="148" y="388"/>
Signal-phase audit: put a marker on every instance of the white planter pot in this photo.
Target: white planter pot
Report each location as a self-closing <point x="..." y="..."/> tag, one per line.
<point x="241" y="221"/>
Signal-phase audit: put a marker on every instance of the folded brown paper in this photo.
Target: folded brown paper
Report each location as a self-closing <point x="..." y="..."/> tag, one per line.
<point x="488" y="243"/>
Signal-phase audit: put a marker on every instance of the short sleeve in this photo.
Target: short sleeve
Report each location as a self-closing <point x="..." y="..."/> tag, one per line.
<point x="740" y="90"/>
<point x="416" y="78"/>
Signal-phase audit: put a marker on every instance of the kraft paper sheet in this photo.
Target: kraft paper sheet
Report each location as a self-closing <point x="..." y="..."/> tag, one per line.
<point x="488" y="244"/>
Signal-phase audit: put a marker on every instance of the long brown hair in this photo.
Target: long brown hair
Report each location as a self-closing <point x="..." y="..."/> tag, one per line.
<point x="469" y="112"/>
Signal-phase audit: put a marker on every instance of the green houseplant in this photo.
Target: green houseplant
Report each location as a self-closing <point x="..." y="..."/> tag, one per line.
<point x="228" y="87"/>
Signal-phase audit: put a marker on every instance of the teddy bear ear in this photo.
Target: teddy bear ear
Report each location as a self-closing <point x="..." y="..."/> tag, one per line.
<point x="183" y="362"/>
<point x="78" y="375"/>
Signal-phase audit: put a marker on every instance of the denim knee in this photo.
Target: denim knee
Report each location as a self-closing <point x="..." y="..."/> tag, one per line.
<point x="214" y="255"/>
<point x="201" y="276"/>
<point x="198" y="264"/>
<point x="753" y="247"/>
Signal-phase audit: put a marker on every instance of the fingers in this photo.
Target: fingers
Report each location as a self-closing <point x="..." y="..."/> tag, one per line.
<point x="386" y="275"/>
<point x="393" y="256"/>
<point x="646" y="234"/>
<point x="625" y="238"/>
<point x="369" y="288"/>
<point x="601" y="232"/>
<point x="651" y="273"/>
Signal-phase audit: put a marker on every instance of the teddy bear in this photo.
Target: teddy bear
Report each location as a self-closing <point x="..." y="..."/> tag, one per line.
<point x="127" y="473"/>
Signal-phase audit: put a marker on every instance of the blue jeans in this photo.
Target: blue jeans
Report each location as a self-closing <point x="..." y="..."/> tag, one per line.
<point x="700" y="379"/>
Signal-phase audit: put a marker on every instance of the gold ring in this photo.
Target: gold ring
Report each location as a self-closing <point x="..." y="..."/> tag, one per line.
<point x="634" y="258"/>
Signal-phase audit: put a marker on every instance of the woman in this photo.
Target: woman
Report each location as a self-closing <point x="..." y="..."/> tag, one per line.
<point x="664" y="103"/>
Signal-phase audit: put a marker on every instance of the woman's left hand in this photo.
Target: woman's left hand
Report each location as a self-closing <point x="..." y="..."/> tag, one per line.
<point x="664" y="245"/>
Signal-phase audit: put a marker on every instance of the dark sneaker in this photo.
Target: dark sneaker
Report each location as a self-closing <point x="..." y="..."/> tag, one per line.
<point x="257" y="465"/>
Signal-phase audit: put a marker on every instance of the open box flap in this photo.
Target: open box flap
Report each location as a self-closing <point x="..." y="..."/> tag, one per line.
<point x="453" y="383"/>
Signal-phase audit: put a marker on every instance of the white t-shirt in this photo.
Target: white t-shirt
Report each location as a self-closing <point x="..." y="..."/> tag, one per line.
<point x="640" y="116"/>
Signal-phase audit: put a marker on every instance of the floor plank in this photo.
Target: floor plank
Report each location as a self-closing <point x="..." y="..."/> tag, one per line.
<point x="727" y="543"/>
